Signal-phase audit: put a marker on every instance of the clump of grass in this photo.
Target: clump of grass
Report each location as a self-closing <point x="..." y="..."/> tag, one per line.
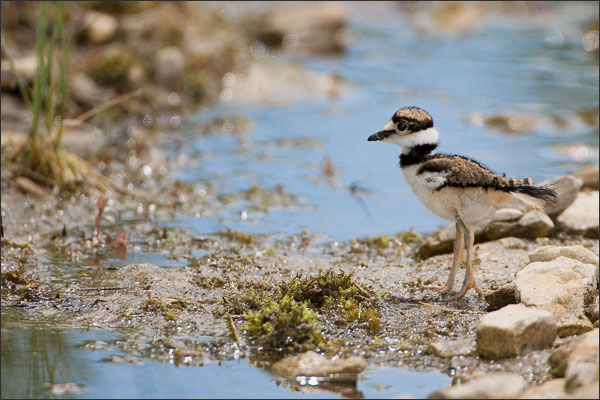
<point x="44" y="161"/>
<point x="284" y="326"/>
<point x="284" y="317"/>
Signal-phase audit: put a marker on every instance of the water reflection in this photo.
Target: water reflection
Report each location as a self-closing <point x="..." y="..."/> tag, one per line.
<point x="35" y="358"/>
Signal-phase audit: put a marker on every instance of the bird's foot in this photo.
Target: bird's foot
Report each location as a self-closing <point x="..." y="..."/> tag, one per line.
<point x="438" y="289"/>
<point x="468" y="285"/>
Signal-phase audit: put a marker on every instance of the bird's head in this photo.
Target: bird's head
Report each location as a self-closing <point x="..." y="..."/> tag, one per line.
<point x="408" y="128"/>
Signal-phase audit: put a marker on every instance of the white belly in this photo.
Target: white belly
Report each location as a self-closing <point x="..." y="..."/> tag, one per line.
<point x="450" y="203"/>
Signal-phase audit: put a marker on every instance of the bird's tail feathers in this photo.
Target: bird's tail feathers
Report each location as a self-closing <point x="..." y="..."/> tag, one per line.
<point x="536" y="197"/>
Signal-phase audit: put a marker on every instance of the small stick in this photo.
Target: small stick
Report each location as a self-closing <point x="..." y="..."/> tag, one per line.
<point x="233" y="329"/>
<point x="100" y="288"/>
<point x="449" y="309"/>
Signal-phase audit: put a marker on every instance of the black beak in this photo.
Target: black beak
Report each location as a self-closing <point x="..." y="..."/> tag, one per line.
<point x="380" y="135"/>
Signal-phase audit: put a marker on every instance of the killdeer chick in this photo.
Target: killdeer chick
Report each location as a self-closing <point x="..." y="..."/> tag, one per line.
<point x="454" y="187"/>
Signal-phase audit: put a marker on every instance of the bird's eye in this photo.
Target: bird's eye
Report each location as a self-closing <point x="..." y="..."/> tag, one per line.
<point x="402" y="127"/>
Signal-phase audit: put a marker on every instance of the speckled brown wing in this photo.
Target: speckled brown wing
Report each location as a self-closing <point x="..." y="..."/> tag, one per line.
<point x="461" y="171"/>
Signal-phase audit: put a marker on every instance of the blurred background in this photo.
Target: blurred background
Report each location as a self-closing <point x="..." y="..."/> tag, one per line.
<point x="266" y="106"/>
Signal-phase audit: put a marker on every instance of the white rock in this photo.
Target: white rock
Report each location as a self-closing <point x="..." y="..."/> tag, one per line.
<point x="578" y="252"/>
<point x="562" y="287"/>
<point x="513" y="329"/>
<point x="84" y="89"/>
<point x="100" y="27"/>
<point x="582" y="216"/>
<point x="495" y="385"/>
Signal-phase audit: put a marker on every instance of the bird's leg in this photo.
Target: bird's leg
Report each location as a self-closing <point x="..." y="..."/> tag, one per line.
<point x="469" y="282"/>
<point x="458" y="245"/>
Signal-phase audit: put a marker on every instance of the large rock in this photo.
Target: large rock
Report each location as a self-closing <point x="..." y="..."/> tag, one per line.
<point x="562" y="286"/>
<point x="578" y="252"/>
<point x="513" y="329"/>
<point x="582" y="364"/>
<point x="495" y="385"/>
<point x="311" y="364"/>
<point x="582" y="216"/>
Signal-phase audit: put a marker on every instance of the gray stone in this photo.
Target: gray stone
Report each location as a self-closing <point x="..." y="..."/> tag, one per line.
<point x="566" y="188"/>
<point x="447" y="348"/>
<point x="582" y="216"/>
<point x="562" y="286"/>
<point x="84" y="89"/>
<point x="495" y="385"/>
<point x="311" y="364"/>
<point x="513" y="329"/>
<point x="169" y="65"/>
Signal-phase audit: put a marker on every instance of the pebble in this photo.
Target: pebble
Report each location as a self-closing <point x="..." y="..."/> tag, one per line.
<point x="311" y="364"/>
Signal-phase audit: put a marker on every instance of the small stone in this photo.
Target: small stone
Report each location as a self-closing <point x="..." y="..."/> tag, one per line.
<point x="502" y="297"/>
<point x="25" y="68"/>
<point x="84" y="89"/>
<point x="582" y="364"/>
<point x="513" y="329"/>
<point x="100" y="27"/>
<point x="561" y="286"/>
<point x="494" y="385"/>
<point x="169" y="65"/>
<point x="311" y="364"/>
<point x="592" y="311"/>
<point x="535" y="224"/>
<point x="447" y="348"/>
<point x="582" y="216"/>
<point x="566" y="188"/>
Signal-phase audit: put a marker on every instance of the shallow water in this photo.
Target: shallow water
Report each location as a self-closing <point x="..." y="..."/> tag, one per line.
<point x="41" y="356"/>
<point x="508" y="67"/>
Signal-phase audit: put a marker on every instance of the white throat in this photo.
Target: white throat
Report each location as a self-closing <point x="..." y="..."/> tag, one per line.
<point x="407" y="142"/>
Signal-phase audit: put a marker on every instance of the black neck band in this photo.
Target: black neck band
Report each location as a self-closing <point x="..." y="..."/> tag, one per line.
<point x="416" y="154"/>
